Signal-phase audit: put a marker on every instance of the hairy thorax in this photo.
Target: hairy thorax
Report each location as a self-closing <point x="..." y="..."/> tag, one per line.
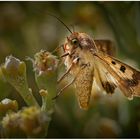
<point x="85" y="59"/>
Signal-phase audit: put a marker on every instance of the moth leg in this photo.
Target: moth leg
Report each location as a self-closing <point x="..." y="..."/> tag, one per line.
<point x="61" y="91"/>
<point x="57" y="48"/>
<point x="64" y="55"/>
<point x="65" y="74"/>
<point x="68" y="70"/>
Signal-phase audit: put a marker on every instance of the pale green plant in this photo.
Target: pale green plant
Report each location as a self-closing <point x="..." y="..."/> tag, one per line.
<point x="34" y="120"/>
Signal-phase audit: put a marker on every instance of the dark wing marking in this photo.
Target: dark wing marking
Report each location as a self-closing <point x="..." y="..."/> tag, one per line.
<point x="106" y="46"/>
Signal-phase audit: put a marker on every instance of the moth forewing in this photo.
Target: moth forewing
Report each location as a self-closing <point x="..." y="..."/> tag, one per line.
<point x="104" y="79"/>
<point x="128" y="78"/>
<point x="101" y="80"/>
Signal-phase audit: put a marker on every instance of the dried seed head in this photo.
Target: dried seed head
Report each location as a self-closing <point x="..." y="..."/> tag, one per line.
<point x="45" y="62"/>
<point x="30" y="122"/>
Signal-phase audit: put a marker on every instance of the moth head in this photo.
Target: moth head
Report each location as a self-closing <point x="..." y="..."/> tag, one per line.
<point x="79" y="40"/>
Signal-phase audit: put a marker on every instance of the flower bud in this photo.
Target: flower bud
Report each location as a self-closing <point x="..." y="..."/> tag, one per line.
<point x="14" y="71"/>
<point x="7" y="105"/>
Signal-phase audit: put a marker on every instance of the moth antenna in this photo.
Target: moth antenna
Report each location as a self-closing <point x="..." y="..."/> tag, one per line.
<point x="73" y="27"/>
<point x="95" y="44"/>
<point x="61" y="22"/>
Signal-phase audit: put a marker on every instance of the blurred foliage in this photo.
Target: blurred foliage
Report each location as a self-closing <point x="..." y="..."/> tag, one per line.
<point x="25" y="28"/>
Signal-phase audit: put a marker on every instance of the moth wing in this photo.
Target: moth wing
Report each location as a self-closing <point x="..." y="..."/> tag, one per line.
<point x="83" y="84"/>
<point x="126" y="77"/>
<point x="105" y="81"/>
<point x="106" y="46"/>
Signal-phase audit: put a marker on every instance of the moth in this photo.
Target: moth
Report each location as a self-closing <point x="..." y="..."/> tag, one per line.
<point x="92" y="63"/>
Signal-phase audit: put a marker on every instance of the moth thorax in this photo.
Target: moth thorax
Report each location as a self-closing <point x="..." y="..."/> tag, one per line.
<point x="86" y="42"/>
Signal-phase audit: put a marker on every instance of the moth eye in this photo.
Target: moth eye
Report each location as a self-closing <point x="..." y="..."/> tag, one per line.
<point x="74" y="41"/>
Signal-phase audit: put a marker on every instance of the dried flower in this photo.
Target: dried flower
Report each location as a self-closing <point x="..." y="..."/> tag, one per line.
<point x="30" y="122"/>
<point x="45" y="66"/>
<point x="45" y="62"/>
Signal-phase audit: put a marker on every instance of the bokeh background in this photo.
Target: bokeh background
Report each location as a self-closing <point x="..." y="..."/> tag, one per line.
<point x="26" y="28"/>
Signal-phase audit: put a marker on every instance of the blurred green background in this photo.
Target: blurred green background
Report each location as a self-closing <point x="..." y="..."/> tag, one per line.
<point x="25" y="28"/>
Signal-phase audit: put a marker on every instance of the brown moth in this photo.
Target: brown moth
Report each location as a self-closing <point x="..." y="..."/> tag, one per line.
<point x="92" y="63"/>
